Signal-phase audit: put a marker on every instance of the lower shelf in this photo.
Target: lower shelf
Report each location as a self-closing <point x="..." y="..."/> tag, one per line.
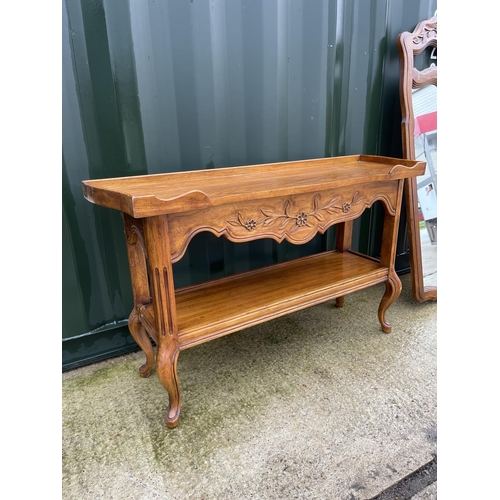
<point x="220" y="307"/>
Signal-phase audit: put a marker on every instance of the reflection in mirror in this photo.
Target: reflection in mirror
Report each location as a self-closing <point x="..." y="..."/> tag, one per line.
<point x="425" y="135"/>
<point x="418" y="92"/>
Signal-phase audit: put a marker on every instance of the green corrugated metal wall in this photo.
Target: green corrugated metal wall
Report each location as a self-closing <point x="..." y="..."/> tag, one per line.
<point x="170" y="85"/>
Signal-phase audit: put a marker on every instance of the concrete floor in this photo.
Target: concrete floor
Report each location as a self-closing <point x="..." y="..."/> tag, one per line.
<point x="319" y="404"/>
<point x="429" y="258"/>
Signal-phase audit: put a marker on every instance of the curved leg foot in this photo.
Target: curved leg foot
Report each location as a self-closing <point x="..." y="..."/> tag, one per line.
<point x="392" y="291"/>
<point x="339" y="301"/>
<point x="166" y="369"/>
<point x="142" y="338"/>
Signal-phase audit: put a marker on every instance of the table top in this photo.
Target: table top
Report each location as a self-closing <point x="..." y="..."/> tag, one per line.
<point x="157" y="194"/>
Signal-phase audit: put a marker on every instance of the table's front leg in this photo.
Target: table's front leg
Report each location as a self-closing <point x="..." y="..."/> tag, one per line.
<point x="163" y="295"/>
<point x="392" y="291"/>
<point x="388" y="258"/>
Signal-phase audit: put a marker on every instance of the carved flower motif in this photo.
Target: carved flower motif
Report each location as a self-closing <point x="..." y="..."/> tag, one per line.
<point x="250" y="224"/>
<point x="301" y="219"/>
<point x="346" y="207"/>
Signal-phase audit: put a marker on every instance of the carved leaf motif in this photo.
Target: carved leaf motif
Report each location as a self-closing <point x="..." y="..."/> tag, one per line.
<point x="317" y="216"/>
<point x="316" y="202"/>
<point x="283" y="223"/>
<point x="301" y="218"/>
<point x="270" y="214"/>
<point x="238" y="222"/>
<point x="429" y="30"/>
<point x="331" y="205"/>
<point x="135" y="237"/>
<point x="356" y="198"/>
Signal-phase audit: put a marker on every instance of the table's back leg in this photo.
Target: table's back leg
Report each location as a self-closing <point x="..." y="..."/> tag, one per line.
<point x="140" y="335"/>
<point x="136" y="251"/>
<point x="343" y="243"/>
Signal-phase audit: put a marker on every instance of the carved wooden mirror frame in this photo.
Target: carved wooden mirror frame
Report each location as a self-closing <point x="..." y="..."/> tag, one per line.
<point x="411" y="45"/>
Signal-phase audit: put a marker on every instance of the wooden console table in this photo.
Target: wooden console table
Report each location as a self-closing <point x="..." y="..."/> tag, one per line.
<point x="290" y="200"/>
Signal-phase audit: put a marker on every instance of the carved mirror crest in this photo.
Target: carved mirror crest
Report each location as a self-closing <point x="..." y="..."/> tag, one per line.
<point x="418" y="95"/>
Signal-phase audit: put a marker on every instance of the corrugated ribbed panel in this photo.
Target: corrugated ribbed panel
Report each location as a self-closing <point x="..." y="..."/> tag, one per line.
<point x="162" y="86"/>
<point x="424" y="100"/>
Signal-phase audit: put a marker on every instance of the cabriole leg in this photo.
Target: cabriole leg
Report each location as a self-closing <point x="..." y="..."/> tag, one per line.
<point x="140" y="335"/>
<point x="166" y="369"/>
<point x="392" y="291"/>
<point x="163" y="296"/>
<point x="136" y="251"/>
<point x="387" y="258"/>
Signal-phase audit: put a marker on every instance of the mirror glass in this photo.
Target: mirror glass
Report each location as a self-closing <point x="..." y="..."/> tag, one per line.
<point x="425" y="136"/>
